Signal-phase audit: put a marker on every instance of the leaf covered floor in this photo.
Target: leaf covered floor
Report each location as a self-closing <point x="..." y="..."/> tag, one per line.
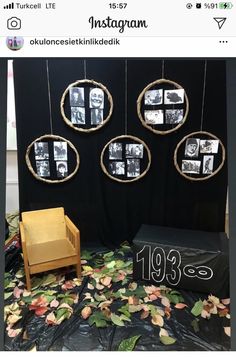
<point x="107" y="311"/>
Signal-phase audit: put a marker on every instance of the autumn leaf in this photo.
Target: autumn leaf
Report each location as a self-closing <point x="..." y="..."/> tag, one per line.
<point x="167" y="312"/>
<point x="116" y="320"/>
<point x="49" y="279"/>
<point x="157" y="320"/>
<point x="14" y="332"/>
<point x="133" y="286"/>
<point x="106" y="281"/>
<point x="197" y="309"/>
<point x="129" y="343"/>
<point x="152" y="297"/>
<point x="213" y="299"/>
<point x="144" y="315"/>
<point x="224" y="312"/>
<point x="165" y="301"/>
<point x="54" y="303"/>
<point x="227" y="331"/>
<point x="180" y="306"/>
<point x="225" y="301"/>
<point x="90" y="286"/>
<point x="7" y="295"/>
<point x="51" y="319"/>
<point x="163" y="332"/>
<point x="41" y="310"/>
<point x="68" y="285"/>
<point x="205" y="314"/>
<point x="167" y="340"/>
<point x="195" y="325"/>
<point x="86" y="312"/>
<point x="12" y="319"/>
<point x="17" y="292"/>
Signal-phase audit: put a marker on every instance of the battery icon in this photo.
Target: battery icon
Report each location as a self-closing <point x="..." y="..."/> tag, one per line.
<point x="225" y="5"/>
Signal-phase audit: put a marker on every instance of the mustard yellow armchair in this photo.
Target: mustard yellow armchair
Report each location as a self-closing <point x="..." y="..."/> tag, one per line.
<point x="49" y="241"/>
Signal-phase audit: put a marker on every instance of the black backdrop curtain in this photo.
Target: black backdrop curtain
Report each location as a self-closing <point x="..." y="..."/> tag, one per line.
<point x="106" y="211"/>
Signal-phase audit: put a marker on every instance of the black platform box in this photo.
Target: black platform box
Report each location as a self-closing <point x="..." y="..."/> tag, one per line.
<point x="185" y="259"/>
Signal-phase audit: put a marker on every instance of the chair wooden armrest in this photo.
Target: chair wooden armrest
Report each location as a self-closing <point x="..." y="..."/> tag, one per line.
<point x="73" y="233"/>
<point x="74" y="236"/>
<point x="25" y="256"/>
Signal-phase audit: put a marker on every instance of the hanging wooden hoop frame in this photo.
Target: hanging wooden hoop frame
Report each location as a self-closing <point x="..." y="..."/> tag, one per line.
<point x="125" y="137"/>
<point x="96" y="84"/>
<point x="207" y="177"/>
<point x="56" y="137"/>
<point x="139" y="103"/>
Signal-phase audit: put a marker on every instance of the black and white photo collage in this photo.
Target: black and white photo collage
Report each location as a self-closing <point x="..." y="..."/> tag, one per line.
<point x="161" y="97"/>
<point x="42" y="159"/>
<point x="200" y="156"/>
<point x="77" y="105"/>
<point x="127" y="158"/>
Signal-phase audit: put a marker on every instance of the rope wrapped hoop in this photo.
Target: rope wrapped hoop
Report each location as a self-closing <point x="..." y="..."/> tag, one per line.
<point x="54" y="137"/>
<point x="191" y="135"/>
<point x="122" y="137"/>
<point x="139" y="105"/>
<point x="95" y="84"/>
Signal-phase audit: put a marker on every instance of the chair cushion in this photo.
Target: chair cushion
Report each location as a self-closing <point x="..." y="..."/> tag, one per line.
<point x="49" y="251"/>
<point x="44" y="225"/>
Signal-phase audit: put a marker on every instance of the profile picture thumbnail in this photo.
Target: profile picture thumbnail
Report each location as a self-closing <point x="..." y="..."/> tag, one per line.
<point x="14" y="43"/>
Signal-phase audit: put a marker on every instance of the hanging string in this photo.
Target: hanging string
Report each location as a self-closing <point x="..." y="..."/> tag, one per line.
<point x="126" y="96"/>
<point x="163" y="69"/>
<point x="85" y="69"/>
<point x="49" y="98"/>
<point x="203" y="94"/>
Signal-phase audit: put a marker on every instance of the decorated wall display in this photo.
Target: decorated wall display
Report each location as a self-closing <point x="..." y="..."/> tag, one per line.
<point x="199" y="156"/>
<point x="125" y="158"/>
<point x="86" y="105"/>
<point x="163" y="106"/>
<point x="47" y="159"/>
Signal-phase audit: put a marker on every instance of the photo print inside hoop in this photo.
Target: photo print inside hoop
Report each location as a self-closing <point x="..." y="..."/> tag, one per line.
<point x="52" y="159"/>
<point x="125" y="158"/>
<point x="199" y="156"/>
<point x="86" y="105"/>
<point x="163" y="106"/>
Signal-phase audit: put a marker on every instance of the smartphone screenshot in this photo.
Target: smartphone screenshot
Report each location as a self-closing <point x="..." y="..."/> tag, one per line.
<point x="117" y="176"/>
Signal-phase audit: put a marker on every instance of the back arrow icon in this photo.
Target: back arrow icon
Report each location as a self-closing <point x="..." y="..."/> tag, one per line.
<point x="220" y="21"/>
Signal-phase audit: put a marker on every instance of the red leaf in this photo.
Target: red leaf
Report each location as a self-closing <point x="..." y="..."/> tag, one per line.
<point x="68" y="285"/>
<point x="180" y="306"/>
<point x="41" y="311"/>
<point x="17" y="292"/>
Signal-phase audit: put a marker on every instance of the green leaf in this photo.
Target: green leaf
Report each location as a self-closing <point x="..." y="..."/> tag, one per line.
<point x="49" y="298"/>
<point x="86" y="255"/>
<point x="125" y="310"/>
<point x="49" y="279"/>
<point x="36" y="283"/>
<point x="20" y="274"/>
<point x="167" y="340"/>
<point x="66" y="300"/>
<point x="195" y="325"/>
<point x="7" y="295"/>
<point x="197" y="309"/>
<point x="175" y="292"/>
<point x="111" y="264"/>
<point x="117" y="320"/>
<point x="129" y="343"/>
<point x="124" y="317"/>
<point x="98" y="319"/>
<point x="60" y="313"/>
<point x="175" y="298"/>
<point x="99" y="297"/>
<point x="27" y="299"/>
<point x="108" y="255"/>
